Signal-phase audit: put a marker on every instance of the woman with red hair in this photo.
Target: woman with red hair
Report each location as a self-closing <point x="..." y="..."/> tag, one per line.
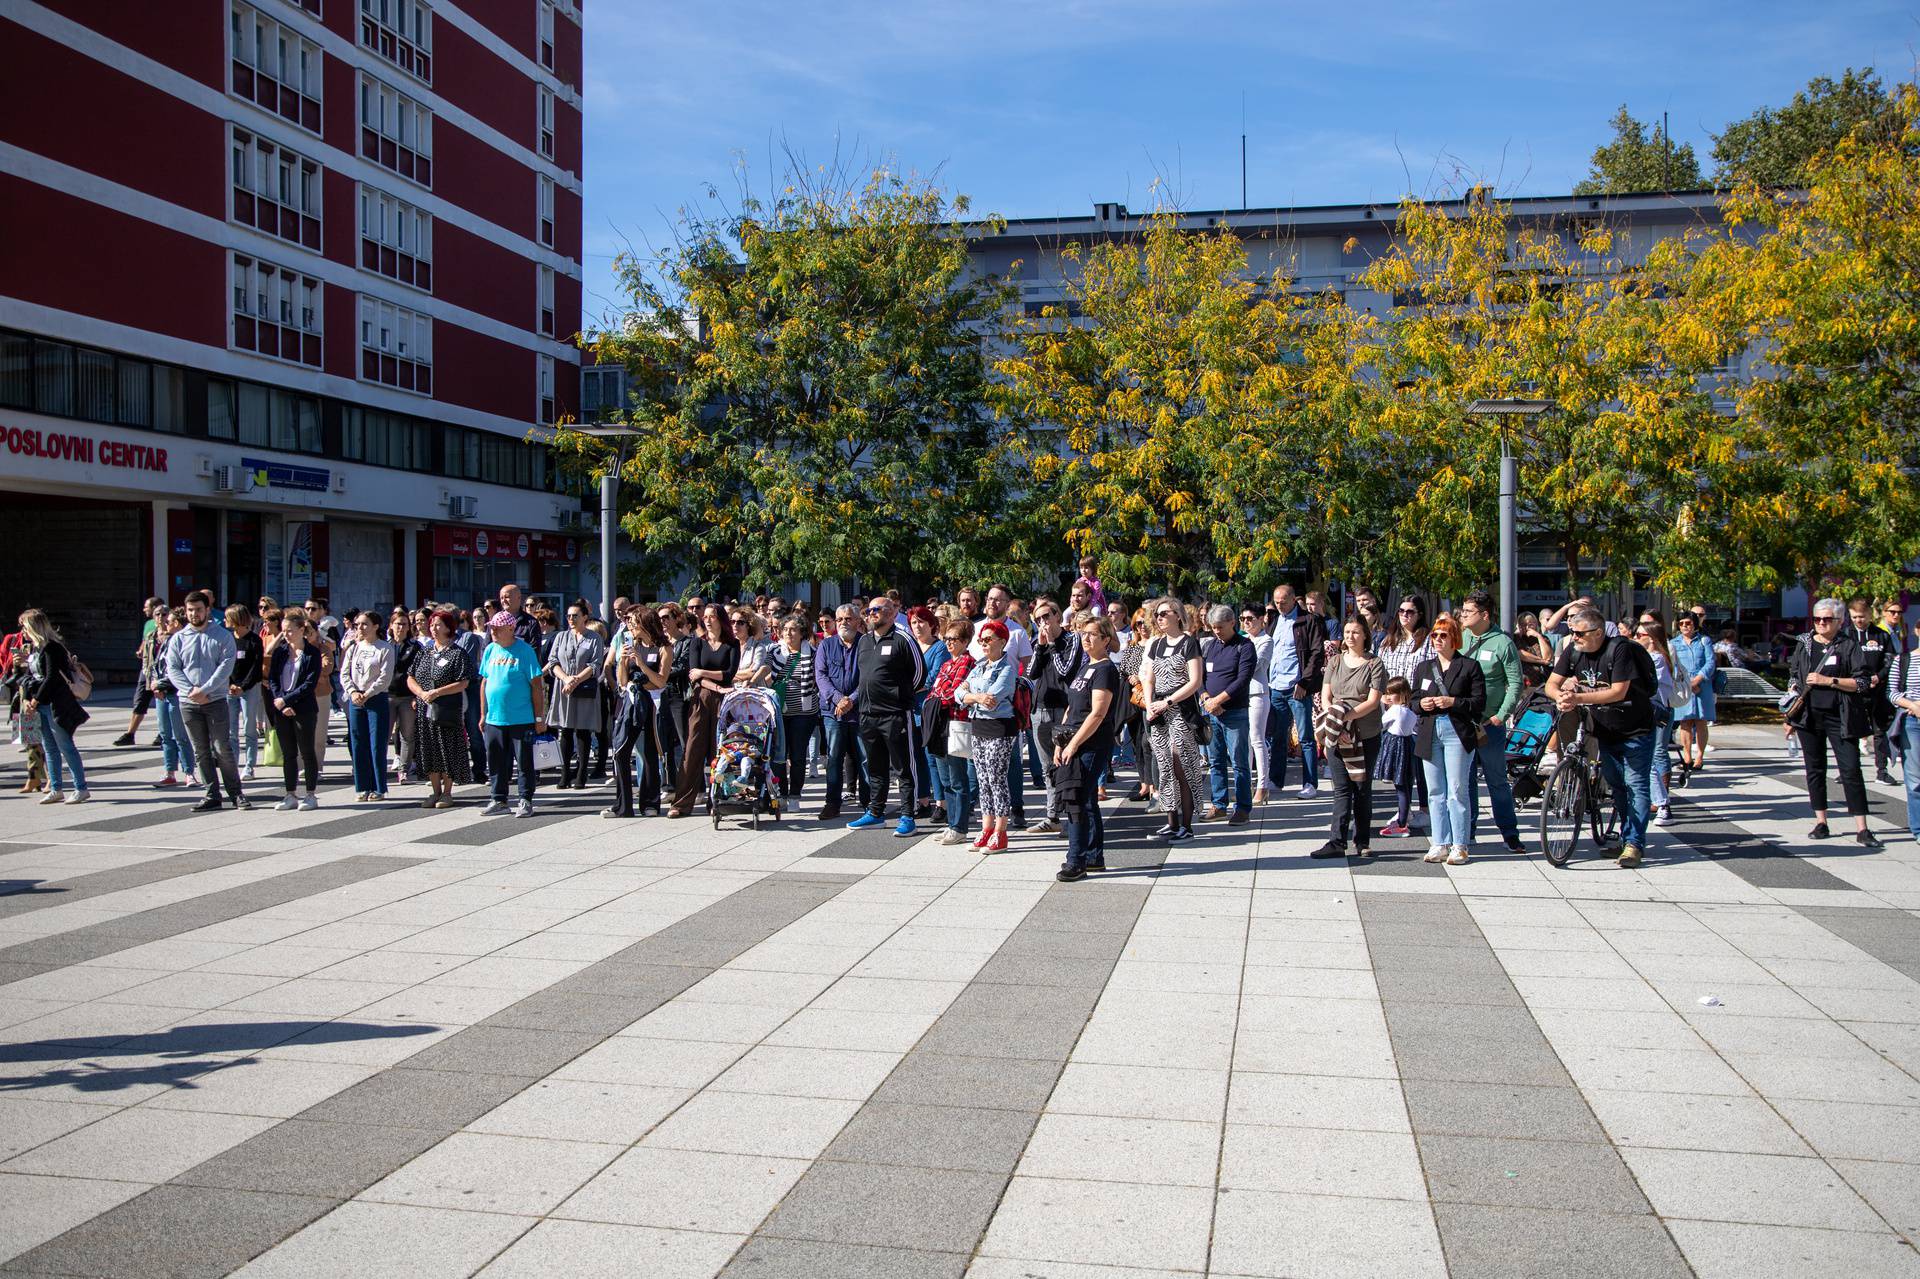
<point x="437" y="680"/>
<point x="1450" y="695"/>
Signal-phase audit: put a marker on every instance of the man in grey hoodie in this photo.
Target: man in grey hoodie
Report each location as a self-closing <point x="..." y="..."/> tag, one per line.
<point x="200" y="665"/>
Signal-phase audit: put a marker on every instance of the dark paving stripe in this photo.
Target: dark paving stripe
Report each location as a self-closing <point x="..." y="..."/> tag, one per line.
<point x="14" y="850"/>
<point x="1757" y="860"/>
<point x="152" y="814"/>
<point x="36" y="895"/>
<point x="82" y="944"/>
<point x="370" y="817"/>
<point x="223" y="1212"/>
<point x="911" y="1183"/>
<point x="1523" y="1179"/>
<point x="1889" y="935"/>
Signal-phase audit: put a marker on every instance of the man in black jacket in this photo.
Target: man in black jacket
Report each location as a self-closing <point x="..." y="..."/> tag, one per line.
<point x="890" y="668"/>
<point x="1877" y="651"/>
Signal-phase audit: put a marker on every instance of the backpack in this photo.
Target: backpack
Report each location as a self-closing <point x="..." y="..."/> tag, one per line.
<point x="1022" y="703"/>
<point x="80" y="680"/>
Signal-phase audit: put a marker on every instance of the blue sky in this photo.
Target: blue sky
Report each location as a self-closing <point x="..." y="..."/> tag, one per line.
<point x="1042" y="108"/>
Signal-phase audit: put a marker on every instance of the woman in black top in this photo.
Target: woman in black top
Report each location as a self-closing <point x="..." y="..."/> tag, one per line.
<point x="406" y="714"/>
<point x="249" y="668"/>
<point x="1828" y="668"/>
<point x="1092" y="713"/>
<point x="293" y="675"/>
<point x="644" y="661"/>
<point x="713" y="663"/>
<point x="439" y="678"/>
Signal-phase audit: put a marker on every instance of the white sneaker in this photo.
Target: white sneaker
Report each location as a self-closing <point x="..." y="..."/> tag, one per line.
<point x="1438" y="853"/>
<point x="287" y="805"/>
<point x="246" y="774"/>
<point x="78" y="796"/>
<point x="54" y="797"/>
<point x="1308" y="792"/>
<point x="309" y="802"/>
<point x="523" y="809"/>
<point x="1664" y="817"/>
<point x="494" y="808"/>
<point x="1458" y="857"/>
<point x="953" y="837"/>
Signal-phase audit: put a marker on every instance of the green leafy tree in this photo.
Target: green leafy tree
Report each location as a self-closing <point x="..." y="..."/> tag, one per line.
<point x="1491" y="311"/>
<point x="1776" y="147"/>
<point x="1639" y="158"/>
<point x="1821" y="289"/>
<point x="809" y="383"/>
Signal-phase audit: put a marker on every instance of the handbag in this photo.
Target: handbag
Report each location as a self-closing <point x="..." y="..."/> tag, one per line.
<point x="546" y="752"/>
<point x="959" y="739"/>
<point x="271" y="755"/>
<point x="588" y="687"/>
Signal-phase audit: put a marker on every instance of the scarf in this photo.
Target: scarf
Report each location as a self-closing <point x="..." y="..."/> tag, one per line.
<point x="1331" y="735"/>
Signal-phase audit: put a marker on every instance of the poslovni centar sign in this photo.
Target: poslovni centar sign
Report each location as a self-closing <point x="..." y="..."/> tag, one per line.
<point x="85" y="450"/>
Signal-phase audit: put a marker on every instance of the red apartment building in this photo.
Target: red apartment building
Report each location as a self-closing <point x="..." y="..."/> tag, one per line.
<point x="286" y="288"/>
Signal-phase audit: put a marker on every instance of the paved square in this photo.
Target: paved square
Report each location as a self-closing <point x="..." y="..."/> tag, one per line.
<point x="429" y="1043"/>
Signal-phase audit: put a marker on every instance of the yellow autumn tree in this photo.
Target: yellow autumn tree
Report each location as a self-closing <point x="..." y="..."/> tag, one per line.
<point x="1820" y="287"/>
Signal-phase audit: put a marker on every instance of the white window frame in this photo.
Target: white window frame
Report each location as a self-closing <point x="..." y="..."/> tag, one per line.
<point x="386" y="328"/>
<point x="546" y="318"/>
<point x="544" y="95"/>
<point x="398" y="118"/>
<point x="265" y="176"/>
<point x="410" y="23"/>
<point x="394" y="223"/>
<point x="544" y="224"/>
<point x="270" y="292"/>
<point x="276" y="51"/>
<point x="546" y="34"/>
<point x="546" y="406"/>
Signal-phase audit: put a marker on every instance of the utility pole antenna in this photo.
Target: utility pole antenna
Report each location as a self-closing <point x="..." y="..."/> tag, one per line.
<point x="1243" y="150"/>
<point x="1666" y="158"/>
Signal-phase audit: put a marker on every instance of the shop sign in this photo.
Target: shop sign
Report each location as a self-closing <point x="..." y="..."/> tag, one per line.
<point x="283" y="475"/>
<point x="66" y="446"/>
<point x="183" y="546"/>
<point x="504" y="544"/>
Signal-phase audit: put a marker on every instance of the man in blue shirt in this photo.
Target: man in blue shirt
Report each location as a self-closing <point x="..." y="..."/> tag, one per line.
<point x="1229" y="675"/>
<point x="1294" y="668"/>
<point x="837" y="678"/>
<point x="515" y="700"/>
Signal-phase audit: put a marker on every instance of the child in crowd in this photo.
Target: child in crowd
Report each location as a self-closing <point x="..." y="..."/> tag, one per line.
<point x="1396" y="763"/>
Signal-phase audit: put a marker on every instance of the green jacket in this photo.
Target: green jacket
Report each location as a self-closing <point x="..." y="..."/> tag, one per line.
<point x="1499" y="664"/>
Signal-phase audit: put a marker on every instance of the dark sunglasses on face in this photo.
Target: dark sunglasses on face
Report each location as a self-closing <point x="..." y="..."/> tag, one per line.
<point x="1591" y="630"/>
<point x="1408" y="609"/>
<point x="875" y="612"/>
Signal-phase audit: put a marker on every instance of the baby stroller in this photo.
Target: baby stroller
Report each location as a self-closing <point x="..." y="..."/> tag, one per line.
<point x="742" y="774"/>
<point x="1526" y="743"/>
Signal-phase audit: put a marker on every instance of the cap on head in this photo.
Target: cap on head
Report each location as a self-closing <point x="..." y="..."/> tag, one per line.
<point x="502" y="619"/>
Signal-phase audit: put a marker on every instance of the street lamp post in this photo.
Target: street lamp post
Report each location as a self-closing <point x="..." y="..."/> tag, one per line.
<point x="1499" y="410"/>
<point x="609" y="519"/>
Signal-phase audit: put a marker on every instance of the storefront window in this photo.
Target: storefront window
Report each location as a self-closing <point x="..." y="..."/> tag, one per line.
<point x="95" y="385"/>
<point x="136" y="393"/>
<point x="254" y="426"/>
<point x="53" y="378"/>
<point x="220" y="410"/>
<point x="16" y="371"/>
<point x="169" y="399"/>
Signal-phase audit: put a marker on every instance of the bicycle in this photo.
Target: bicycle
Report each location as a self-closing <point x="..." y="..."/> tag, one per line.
<point x="1572" y="798"/>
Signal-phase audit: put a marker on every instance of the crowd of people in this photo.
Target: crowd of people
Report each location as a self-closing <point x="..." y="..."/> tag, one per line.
<point x="972" y="703"/>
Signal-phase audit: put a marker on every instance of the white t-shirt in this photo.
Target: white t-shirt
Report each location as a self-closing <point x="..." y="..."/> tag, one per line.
<point x="1019" y="644"/>
<point x="1400" y="720"/>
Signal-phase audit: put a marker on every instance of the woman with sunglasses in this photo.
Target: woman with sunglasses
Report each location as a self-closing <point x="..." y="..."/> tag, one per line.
<point x="1829" y="676"/>
<point x="406" y="722"/>
<point x="1652" y="636"/>
<point x="573" y="662"/>
<point x="641" y="673"/>
<point x="1693" y="709"/>
<point x="1170" y="677"/>
<point x="713" y="663"/>
<point x="1404" y="648"/>
<point x="1253" y="622"/>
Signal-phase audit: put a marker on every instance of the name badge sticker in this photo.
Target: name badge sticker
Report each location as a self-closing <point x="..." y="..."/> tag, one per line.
<point x="1209" y="668"/>
<point x="886" y="650"/>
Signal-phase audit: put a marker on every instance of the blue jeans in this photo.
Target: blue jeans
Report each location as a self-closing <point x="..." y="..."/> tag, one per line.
<point x="367" y="730"/>
<point x="1447" y="774"/>
<point x="1909" y="769"/>
<point x="1230" y="746"/>
<point x="58" y="745"/>
<point x="1086" y="831"/>
<point x="176" y="752"/>
<point x="1628" y="768"/>
<point x="1662" y="762"/>
<point x="960" y="788"/>
<point x="1490" y="759"/>
<point x="843" y="742"/>
<point x="1282" y="716"/>
<point x="246" y="707"/>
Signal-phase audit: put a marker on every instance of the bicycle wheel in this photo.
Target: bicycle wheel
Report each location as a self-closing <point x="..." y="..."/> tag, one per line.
<point x="1563" y="810"/>
<point x="1602" y="815"/>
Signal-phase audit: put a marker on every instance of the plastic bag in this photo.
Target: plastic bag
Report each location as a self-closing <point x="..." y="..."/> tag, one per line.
<point x="546" y="752"/>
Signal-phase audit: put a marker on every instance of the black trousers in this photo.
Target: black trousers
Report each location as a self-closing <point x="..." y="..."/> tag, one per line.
<point x="576" y="749"/>
<point x="1820" y="732"/>
<point x="643" y="747"/>
<point x="671" y="727"/>
<point x="1353" y="801"/>
<point x="295" y="733"/>
<point x="797" y="734"/>
<point x="889" y="743"/>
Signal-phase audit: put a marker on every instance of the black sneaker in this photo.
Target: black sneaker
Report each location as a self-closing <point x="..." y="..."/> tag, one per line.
<point x="1517" y="848"/>
<point x="1332" y="848"/>
<point x="208" y="806"/>
<point x="1071" y="874"/>
<point x="1867" y="839"/>
<point x="1820" y="831"/>
<point x="1239" y="818"/>
<point x="1019" y="822"/>
<point x="1165" y="832"/>
<point x="125" y="739"/>
<point x="1884" y="778"/>
<point x="1184" y="833"/>
<point x="1098" y="863"/>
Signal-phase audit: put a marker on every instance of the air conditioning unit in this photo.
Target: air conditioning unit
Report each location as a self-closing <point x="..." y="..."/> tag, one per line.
<point x="462" y="507"/>
<point x="232" y="479"/>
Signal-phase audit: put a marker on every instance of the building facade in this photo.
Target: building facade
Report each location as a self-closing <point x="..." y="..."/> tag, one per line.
<point x="287" y="289"/>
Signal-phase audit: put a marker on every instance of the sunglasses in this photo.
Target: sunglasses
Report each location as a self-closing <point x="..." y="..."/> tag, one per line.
<point x="1591" y="630"/>
<point x="1408" y="610"/>
<point x="1044" y="617"/>
<point x="875" y="612"/>
<point x="1830" y="621"/>
<point x="1248" y="617"/>
<point x="1165" y="612"/>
